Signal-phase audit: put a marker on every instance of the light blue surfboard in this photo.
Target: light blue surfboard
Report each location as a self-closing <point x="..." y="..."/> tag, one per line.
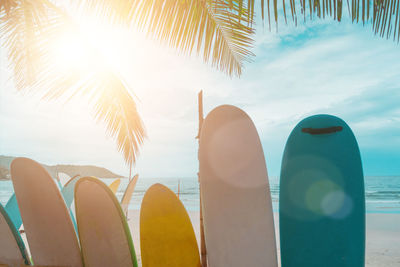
<point x="68" y="194"/>
<point x="13" y="211"/>
<point x="68" y="191"/>
<point x="321" y="200"/>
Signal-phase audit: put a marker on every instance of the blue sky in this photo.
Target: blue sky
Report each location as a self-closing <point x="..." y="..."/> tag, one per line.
<point x="318" y="67"/>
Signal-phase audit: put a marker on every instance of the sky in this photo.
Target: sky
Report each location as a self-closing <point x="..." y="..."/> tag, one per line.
<point x="318" y="67"/>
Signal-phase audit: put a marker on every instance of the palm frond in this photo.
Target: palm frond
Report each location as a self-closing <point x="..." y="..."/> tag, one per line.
<point x="20" y="24"/>
<point x="29" y="31"/>
<point x="112" y="102"/>
<point x="115" y="11"/>
<point x="219" y="30"/>
<point x="6" y="5"/>
<point x="385" y="17"/>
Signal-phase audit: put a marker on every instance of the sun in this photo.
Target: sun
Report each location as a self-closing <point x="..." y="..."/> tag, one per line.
<point x="94" y="46"/>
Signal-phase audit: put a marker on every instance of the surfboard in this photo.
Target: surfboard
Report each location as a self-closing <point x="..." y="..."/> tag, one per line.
<point x="63" y="178"/>
<point x="68" y="190"/>
<point x="103" y="231"/>
<point x="126" y="198"/>
<point x="114" y="185"/>
<point x="68" y="194"/>
<point x="12" y="248"/>
<point x="12" y="210"/>
<point x="321" y="200"/>
<point x="48" y="226"/>
<point x="166" y="233"/>
<point x="236" y="201"/>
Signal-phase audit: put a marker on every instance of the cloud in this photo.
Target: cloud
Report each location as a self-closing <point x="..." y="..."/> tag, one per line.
<point x="318" y="67"/>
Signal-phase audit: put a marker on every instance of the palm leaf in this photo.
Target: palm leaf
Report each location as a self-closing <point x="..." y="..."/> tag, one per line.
<point x="116" y="11"/>
<point x="6" y="5"/>
<point x="29" y="30"/>
<point x="385" y="18"/>
<point x="220" y="30"/>
<point x="19" y="24"/>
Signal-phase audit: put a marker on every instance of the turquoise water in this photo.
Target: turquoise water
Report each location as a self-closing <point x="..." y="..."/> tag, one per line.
<point x="382" y="192"/>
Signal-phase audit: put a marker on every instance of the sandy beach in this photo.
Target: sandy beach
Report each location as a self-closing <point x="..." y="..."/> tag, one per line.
<point x="383" y="237"/>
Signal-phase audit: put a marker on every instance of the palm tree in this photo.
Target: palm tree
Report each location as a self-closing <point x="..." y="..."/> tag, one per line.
<point x="220" y="31"/>
<point x="28" y="29"/>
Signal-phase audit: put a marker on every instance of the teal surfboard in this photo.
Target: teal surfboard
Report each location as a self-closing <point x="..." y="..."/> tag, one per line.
<point x="12" y="248"/>
<point x="67" y="192"/>
<point x="13" y="211"/>
<point x="321" y="199"/>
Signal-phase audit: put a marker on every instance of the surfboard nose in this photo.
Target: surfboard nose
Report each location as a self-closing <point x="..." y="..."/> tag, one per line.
<point x="237" y="208"/>
<point x="321" y="198"/>
<point x="21" y="165"/>
<point x="231" y="148"/>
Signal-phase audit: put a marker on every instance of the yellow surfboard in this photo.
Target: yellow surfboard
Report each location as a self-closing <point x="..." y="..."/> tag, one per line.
<point x="166" y="232"/>
<point x="114" y="186"/>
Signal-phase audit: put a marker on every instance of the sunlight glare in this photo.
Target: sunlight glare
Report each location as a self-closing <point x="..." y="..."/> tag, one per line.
<point x="94" y="46"/>
<point x="71" y="53"/>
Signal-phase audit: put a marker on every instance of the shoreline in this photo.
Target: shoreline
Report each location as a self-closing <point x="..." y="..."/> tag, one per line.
<point x="382" y="236"/>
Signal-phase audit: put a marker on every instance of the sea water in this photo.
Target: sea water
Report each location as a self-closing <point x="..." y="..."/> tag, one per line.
<point x="382" y="192"/>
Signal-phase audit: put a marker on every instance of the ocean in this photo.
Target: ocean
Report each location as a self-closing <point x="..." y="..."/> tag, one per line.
<point x="382" y="192"/>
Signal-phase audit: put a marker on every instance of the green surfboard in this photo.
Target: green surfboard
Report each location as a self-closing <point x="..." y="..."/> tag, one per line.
<point x="104" y="234"/>
<point x="322" y="200"/>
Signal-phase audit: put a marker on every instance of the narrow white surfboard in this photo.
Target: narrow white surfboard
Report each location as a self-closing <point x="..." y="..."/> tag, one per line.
<point x="126" y="199"/>
<point x="63" y="178"/>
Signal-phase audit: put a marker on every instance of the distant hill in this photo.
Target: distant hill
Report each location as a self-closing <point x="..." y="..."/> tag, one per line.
<point x="4" y="174"/>
<point x="6" y="161"/>
<point x="71" y="170"/>
<point x="82" y="170"/>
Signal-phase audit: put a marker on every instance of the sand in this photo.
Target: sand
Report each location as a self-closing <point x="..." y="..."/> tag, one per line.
<point x="383" y="237"/>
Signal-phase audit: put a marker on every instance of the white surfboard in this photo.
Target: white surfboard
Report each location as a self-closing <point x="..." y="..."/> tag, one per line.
<point x="236" y="201"/>
<point x="63" y="178"/>
<point x="126" y="198"/>
<point x="47" y="223"/>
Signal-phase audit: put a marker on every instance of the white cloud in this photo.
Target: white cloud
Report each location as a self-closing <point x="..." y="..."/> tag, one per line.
<point x="320" y="67"/>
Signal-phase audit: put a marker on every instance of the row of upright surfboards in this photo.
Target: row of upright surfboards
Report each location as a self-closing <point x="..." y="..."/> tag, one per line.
<point x="321" y="206"/>
<point x="43" y="206"/>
